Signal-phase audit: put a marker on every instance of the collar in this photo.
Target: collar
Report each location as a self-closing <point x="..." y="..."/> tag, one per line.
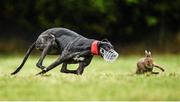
<point x="94" y="48"/>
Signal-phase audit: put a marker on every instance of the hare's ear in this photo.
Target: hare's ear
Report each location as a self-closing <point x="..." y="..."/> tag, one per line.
<point x="149" y="53"/>
<point x="146" y="52"/>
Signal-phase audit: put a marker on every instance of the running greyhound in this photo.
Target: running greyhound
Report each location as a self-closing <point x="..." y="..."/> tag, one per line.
<point x="71" y="47"/>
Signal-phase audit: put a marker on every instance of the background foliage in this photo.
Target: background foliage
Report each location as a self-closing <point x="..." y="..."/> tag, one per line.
<point x="153" y="22"/>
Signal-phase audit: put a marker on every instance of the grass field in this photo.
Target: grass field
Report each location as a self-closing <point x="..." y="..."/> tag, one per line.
<point x="100" y="81"/>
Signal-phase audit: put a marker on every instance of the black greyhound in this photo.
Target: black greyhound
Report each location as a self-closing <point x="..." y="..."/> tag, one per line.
<point x="72" y="48"/>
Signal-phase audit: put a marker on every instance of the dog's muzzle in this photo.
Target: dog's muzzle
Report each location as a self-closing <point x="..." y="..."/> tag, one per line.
<point x="110" y="55"/>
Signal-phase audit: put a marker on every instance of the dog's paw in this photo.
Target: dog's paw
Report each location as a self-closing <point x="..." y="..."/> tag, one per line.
<point x="40" y="66"/>
<point x="63" y="71"/>
<point x="78" y="72"/>
<point x="42" y="72"/>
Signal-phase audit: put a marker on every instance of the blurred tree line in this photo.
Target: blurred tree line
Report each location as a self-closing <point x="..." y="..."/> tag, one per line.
<point x="122" y="21"/>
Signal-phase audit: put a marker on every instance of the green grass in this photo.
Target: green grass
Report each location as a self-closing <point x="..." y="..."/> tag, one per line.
<point x="100" y="81"/>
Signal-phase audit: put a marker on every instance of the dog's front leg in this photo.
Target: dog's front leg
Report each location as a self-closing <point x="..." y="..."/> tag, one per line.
<point x="84" y="64"/>
<point x="65" y="70"/>
<point x="43" y="55"/>
<point x="80" y="69"/>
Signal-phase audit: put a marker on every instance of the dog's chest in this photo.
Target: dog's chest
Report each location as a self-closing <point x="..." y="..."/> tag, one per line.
<point x="78" y="58"/>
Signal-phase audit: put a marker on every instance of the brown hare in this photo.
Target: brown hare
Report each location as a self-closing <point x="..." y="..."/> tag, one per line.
<point x="146" y="64"/>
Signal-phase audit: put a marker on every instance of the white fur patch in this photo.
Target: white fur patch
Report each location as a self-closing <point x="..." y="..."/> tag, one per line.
<point x="77" y="58"/>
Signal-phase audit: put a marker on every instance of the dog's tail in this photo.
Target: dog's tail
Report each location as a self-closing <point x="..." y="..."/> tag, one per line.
<point x="25" y="58"/>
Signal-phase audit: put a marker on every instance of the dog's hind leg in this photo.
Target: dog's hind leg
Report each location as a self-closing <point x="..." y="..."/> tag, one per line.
<point x="43" y="55"/>
<point x="50" y="67"/>
<point x="60" y="60"/>
<point x="57" y="62"/>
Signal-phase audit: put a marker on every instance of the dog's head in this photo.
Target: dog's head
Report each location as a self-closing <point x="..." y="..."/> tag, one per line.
<point x="106" y="50"/>
<point x="105" y="44"/>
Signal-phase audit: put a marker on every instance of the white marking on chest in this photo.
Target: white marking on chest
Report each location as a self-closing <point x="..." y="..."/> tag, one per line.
<point x="77" y="58"/>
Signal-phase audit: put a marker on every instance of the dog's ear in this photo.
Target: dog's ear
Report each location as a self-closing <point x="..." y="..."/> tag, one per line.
<point x="105" y="40"/>
<point x="106" y="45"/>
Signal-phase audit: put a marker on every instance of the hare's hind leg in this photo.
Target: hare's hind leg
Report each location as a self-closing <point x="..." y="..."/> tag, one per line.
<point x="155" y="72"/>
<point x="159" y="67"/>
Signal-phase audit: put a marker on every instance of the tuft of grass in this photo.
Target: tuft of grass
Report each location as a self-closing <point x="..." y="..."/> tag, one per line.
<point x="100" y="81"/>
